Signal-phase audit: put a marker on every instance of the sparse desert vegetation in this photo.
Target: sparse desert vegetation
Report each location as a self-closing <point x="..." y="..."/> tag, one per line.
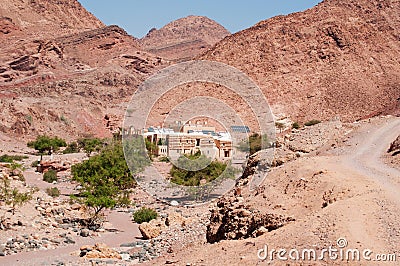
<point x="70" y="154"/>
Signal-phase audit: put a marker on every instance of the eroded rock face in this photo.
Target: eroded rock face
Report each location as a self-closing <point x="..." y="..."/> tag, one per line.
<point x="317" y="61"/>
<point x="395" y="146"/>
<point x="232" y="219"/>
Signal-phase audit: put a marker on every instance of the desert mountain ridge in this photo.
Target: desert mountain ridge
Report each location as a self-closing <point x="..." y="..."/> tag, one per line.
<point x="42" y="18"/>
<point x="336" y="59"/>
<point x="63" y="71"/>
<point x="75" y="76"/>
<point x="184" y="38"/>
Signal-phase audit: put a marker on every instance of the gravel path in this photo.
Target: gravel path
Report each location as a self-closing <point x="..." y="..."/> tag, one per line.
<point x="126" y="232"/>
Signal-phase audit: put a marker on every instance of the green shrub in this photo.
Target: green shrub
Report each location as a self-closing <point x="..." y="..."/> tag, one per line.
<point x="53" y="192"/>
<point x="144" y="215"/>
<point x="164" y="159"/>
<point x="210" y="170"/>
<point x="35" y="163"/>
<point x="5" y="158"/>
<point x="11" y="196"/>
<point x="50" y="176"/>
<point x="151" y="148"/>
<point x="46" y="144"/>
<point x="71" y="148"/>
<point x="90" y="145"/>
<point x="64" y="119"/>
<point x="255" y="143"/>
<point x="296" y="125"/>
<point x="312" y="122"/>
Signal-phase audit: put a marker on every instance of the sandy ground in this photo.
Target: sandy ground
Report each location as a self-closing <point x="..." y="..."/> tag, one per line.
<point x="341" y="192"/>
<point x="126" y="232"/>
<point x="364" y="209"/>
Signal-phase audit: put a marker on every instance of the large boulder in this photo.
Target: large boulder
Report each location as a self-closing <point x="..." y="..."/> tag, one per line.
<point x="99" y="251"/>
<point x="151" y="229"/>
<point x="232" y="219"/>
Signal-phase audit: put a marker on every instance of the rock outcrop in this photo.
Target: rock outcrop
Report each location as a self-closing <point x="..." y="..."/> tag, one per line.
<point x="232" y="219"/>
<point x="395" y="146"/>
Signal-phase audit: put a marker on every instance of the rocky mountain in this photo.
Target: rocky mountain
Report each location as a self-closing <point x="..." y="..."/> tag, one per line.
<point x="184" y="38"/>
<point x="46" y="17"/>
<point x="63" y="72"/>
<point x="67" y="73"/>
<point x="336" y="59"/>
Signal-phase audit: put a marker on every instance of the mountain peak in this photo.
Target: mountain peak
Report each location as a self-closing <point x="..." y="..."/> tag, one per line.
<point x="184" y="38"/>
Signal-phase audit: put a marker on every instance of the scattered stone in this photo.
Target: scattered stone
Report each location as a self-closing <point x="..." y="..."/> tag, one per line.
<point x="125" y="256"/>
<point x="85" y="232"/>
<point x="75" y="206"/>
<point x="175" y="218"/>
<point x="174" y="203"/>
<point x="133" y="244"/>
<point x="149" y="231"/>
<point x="99" y="251"/>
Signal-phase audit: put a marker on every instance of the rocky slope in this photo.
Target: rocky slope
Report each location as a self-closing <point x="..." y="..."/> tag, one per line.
<point x="66" y="74"/>
<point x="336" y="59"/>
<point x="184" y="38"/>
<point x="47" y="17"/>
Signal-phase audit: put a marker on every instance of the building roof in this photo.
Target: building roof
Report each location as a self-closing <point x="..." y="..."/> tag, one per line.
<point x="240" y="129"/>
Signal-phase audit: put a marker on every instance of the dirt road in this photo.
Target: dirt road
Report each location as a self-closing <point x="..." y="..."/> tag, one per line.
<point x="366" y="157"/>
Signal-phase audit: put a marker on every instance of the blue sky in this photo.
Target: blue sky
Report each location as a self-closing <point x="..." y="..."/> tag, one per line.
<point x="137" y="17"/>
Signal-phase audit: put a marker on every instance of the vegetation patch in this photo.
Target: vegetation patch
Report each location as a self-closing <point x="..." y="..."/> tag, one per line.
<point x="105" y="179"/>
<point x="5" y="158"/>
<point x="296" y="125"/>
<point x="144" y="215"/>
<point x="50" y="176"/>
<point x="53" y="192"/>
<point x="212" y="170"/>
<point x="47" y="144"/>
<point x="255" y="143"/>
<point x="312" y="122"/>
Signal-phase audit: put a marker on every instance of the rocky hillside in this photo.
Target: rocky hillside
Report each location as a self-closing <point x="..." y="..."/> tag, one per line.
<point x="184" y="38"/>
<point x="66" y="74"/>
<point x="47" y="17"/>
<point x="336" y="59"/>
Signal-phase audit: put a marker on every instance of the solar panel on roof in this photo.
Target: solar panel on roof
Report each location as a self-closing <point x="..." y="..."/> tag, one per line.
<point x="240" y="129"/>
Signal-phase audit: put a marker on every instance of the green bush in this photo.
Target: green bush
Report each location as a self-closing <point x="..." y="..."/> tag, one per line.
<point x="296" y="125"/>
<point x="312" y="122"/>
<point x="151" y="148"/>
<point x="144" y="215"/>
<point x="35" y="163"/>
<point x="46" y="144"/>
<point x="90" y="145"/>
<point x="255" y="143"/>
<point x="50" y="176"/>
<point x="53" y="192"/>
<point x="210" y="170"/>
<point x="12" y="196"/>
<point x="5" y="158"/>
<point x="71" y="148"/>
